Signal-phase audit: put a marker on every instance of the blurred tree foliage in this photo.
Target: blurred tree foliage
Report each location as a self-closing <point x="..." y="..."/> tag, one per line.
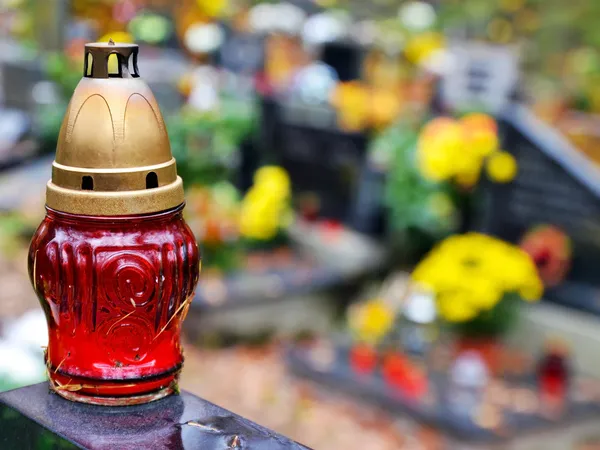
<point x="206" y="144"/>
<point x="15" y="233"/>
<point x="65" y="73"/>
<point x="558" y="41"/>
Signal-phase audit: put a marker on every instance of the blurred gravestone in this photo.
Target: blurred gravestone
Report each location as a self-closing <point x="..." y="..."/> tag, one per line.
<point x="345" y="58"/>
<point x="162" y="70"/>
<point x="480" y="77"/>
<point x="14" y="126"/>
<point x="556" y="185"/>
<point x="323" y="161"/>
<point x="368" y="214"/>
<point x="242" y="54"/>
<point x="18" y="77"/>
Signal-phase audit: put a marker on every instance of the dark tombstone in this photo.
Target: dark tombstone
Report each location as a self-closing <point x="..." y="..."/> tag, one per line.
<point x="368" y="214"/>
<point x="249" y="162"/>
<point x="164" y="67"/>
<point x="19" y="74"/>
<point x="242" y="53"/>
<point x="34" y="418"/>
<point x="23" y="184"/>
<point x="242" y="57"/>
<point x="323" y="161"/>
<point x="268" y="128"/>
<point x="556" y="185"/>
<point x="18" y="80"/>
<point x="345" y="57"/>
<point x="16" y="144"/>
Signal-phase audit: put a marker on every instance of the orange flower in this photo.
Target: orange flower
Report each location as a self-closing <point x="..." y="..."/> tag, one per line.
<point x="351" y="100"/>
<point x="479" y="121"/>
<point x="385" y="107"/>
<point x="481" y="132"/>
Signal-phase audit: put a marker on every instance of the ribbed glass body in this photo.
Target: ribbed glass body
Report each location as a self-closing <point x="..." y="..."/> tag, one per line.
<point x="115" y="291"/>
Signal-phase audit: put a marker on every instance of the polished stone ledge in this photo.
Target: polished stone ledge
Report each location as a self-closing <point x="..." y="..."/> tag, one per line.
<point x="34" y="418"/>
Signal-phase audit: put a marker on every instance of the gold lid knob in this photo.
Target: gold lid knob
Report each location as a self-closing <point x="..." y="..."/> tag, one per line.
<point x="113" y="156"/>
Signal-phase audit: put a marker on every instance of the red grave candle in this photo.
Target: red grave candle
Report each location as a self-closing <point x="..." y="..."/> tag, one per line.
<point x="114" y="264"/>
<point x="115" y="291"/>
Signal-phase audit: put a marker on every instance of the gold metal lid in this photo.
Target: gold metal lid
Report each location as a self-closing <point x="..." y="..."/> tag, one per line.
<point x="113" y="156"/>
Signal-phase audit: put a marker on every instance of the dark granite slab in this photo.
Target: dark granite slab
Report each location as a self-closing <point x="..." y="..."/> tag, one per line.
<point x="556" y="184"/>
<point x="248" y="288"/>
<point x="34" y="418"/>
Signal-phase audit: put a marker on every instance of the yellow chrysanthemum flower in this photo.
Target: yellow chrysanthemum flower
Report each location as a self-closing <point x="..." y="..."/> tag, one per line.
<point x="485" y="292"/>
<point x="423" y="45"/>
<point x="372" y="320"/>
<point x="385" y="107"/>
<point x="454" y="308"/>
<point x="258" y="226"/>
<point x="532" y="290"/>
<point x="479" y="120"/>
<point x="457" y="149"/>
<point x="351" y="101"/>
<point x="501" y="167"/>
<point x="265" y="208"/>
<point x="274" y="179"/>
<point x="212" y="8"/>
<point x="439" y="149"/>
<point x="472" y="273"/>
<point x="468" y="169"/>
<point x="483" y="142"/>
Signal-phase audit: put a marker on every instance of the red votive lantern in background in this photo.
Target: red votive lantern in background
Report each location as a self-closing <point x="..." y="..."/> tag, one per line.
<point x="553" y="372"/>
<point x="363" y="359"/>
<point x="113" y="263"/>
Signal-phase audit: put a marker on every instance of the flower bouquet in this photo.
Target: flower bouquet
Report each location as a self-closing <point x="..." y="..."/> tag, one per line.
<point x="213" y="214"/>
<point x="432" y="175"/>
<point x="226" y="224"/>
<point x="265" y="209"/>
<point x="377" y="344"/>
<point x="207" y="144"/>
<point x="551" y="250"/>
<point x="478" y="282"/>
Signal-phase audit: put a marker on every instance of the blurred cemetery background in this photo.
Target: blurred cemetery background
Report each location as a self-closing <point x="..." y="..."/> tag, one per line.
<point x="397" y="204"/>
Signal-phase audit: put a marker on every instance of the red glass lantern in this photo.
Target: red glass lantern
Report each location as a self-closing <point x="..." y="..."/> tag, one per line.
<point x="363" y="359"/>
<point x="113" y="263"/>
<point x="553" y="372"/>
